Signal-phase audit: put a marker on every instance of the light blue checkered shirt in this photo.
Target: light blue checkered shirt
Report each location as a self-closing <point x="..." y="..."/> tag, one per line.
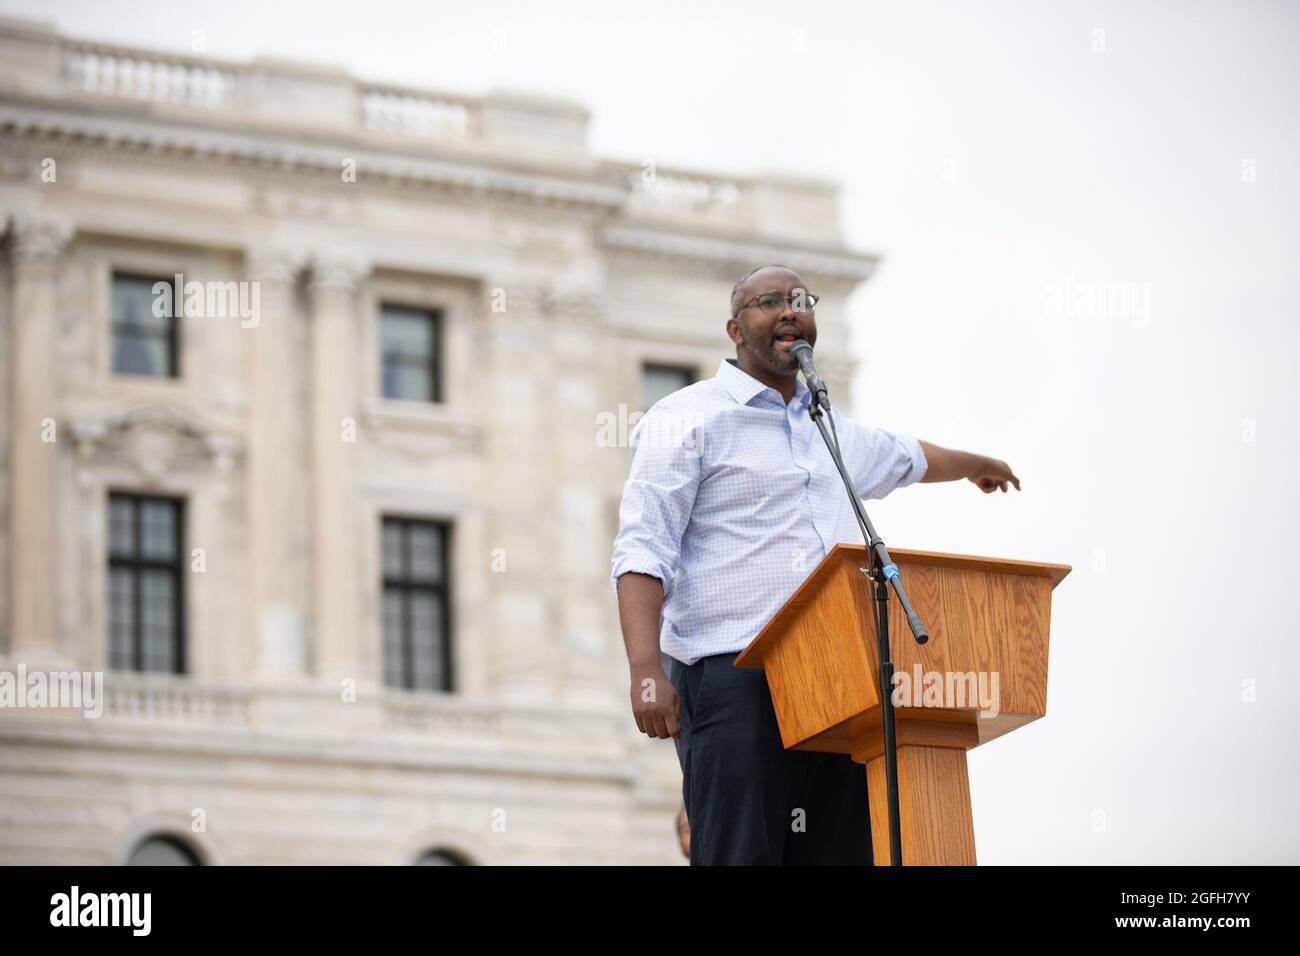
<point x="733" y="499"/>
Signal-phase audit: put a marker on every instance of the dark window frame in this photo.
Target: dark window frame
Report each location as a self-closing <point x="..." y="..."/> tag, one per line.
<point x="137" y="563"/>
<point x="182" y="846"/>
<point x="173" y="335"/>
<point x="433" y="365"/>
<point x="449" y="857"/>
<point x="405" y="586"/>
<point x="692" y="374"/>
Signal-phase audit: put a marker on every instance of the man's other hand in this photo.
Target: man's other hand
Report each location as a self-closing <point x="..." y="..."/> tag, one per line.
<point x="655" y="706"/>
<point x="992" y="475"/>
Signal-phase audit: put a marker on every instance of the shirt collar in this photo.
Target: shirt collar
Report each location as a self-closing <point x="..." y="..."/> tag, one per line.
<point x="744" y="388"/>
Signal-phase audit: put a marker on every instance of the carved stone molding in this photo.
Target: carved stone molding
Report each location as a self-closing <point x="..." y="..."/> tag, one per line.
<point x="546" y="300"/>
<point x="421" y="435"/>
<point x="274" y="264"/>
<point x="153" y="441"/>
<point x="282" y="203"/>
<point x="336" y="275"/>
<point x="34" y="239"/>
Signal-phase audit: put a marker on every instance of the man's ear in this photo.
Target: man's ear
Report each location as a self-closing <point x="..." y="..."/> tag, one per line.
<point x="733" y="331"/>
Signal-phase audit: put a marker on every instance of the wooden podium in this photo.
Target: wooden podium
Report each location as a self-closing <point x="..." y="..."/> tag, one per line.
<point x="986" y="616"/>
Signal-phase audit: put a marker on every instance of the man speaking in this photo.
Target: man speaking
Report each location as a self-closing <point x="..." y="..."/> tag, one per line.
<point x="732" y="500"/>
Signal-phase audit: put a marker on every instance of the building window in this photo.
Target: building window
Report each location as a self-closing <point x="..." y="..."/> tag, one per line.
<point x="162" y="851"/>
<point x="144" y="342"/>
<point x="660" y="381"/>
<point x="416" y="626"/>
<point x="144" y="584"/>
<point x="441" y="857"/>
<point x="409" y="343"/>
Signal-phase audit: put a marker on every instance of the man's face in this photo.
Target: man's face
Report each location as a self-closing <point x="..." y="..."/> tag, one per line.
<point x="767" y="338"/>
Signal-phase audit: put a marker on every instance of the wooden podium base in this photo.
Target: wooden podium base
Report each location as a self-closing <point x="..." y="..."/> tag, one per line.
<point x="933" y="807"/>
<point x="988" y="620"/>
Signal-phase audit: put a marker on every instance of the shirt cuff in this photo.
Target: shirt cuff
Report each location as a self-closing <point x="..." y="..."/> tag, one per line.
<point x="919" y="462"/>
<point x="640" y="564"/>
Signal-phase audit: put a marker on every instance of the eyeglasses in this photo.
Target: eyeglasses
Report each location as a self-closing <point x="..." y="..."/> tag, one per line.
<point x="774" y="303"/>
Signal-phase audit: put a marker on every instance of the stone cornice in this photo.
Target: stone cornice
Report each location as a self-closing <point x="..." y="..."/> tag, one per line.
<point x="733" y="255"/>
<point x="145" y="134"/>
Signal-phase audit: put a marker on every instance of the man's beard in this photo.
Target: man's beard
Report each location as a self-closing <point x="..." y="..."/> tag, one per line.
<point x="785" y="361"/>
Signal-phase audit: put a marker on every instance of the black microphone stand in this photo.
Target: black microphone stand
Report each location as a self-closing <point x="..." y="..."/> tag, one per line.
<point x="882" y="570"/>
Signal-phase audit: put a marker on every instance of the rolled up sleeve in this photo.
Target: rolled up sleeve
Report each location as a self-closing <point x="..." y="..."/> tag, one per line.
<point x="657" y="500"/>
<point x="883" y="461"/>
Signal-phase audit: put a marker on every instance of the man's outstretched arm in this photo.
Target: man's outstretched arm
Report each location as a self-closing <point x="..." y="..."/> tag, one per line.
<point x="947" y="464"/>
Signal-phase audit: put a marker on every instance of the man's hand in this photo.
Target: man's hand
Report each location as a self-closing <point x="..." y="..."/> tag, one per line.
<point x="992" y="475"/>
<point x="655" y="706"/>
<point x="946" y="464"/>
<point x="654" y="701"/>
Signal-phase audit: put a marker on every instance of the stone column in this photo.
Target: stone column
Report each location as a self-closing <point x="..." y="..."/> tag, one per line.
<point x="578" y="346"/>
<point x="523" y="663"/>
<point x="272" y="486"/>
<point x="336" y="627"/>
<point x="35" y="433"/>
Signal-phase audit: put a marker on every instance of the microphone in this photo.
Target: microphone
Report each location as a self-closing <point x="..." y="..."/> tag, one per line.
<point x="803" y="354"/>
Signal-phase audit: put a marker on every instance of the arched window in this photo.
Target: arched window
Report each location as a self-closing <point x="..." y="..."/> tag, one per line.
<point x="441" y="857"/>
<point x="158" y="850"/>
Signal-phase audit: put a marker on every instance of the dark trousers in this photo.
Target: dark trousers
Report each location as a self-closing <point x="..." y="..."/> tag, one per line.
<point x="749" y="801"/>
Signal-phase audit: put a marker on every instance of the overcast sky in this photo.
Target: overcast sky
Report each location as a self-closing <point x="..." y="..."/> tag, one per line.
<point x="1088" y="218"/>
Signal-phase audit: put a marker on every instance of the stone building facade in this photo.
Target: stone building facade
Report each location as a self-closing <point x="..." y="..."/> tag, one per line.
<point x="340" y="560"/>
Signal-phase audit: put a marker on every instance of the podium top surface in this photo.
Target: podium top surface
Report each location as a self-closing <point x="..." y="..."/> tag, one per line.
<point x="1056" y="572"/>
<point x="841" y="552"/>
